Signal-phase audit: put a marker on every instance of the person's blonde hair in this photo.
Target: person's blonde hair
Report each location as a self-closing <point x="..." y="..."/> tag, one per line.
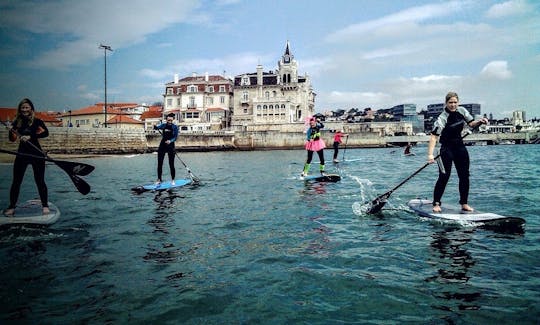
<point x="19" y="117"/>
<point x="450" y="95"/>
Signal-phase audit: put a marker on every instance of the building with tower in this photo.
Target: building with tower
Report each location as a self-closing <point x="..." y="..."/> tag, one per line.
<point x="272" y="97"/>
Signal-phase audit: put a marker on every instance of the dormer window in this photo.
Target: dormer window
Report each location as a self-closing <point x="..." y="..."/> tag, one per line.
<point x="245" y="81"/>
<point x="192" y="89"/>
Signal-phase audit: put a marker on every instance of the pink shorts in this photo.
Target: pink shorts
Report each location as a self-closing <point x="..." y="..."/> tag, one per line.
<point x="315" y="145"/>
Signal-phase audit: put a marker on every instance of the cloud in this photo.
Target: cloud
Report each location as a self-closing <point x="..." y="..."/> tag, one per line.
<point x="397" y="20"/>
<point x="508" y="8"/>
<point x="496" y="70"/>
<point x="76" y="28"/>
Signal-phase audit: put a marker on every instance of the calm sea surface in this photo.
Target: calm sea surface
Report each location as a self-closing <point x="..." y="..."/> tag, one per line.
<point x="255" y="245"/>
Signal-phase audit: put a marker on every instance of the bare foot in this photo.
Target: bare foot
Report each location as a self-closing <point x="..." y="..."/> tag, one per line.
<point x="437" y="208"/>
<point x="9" y="212"/>
<point x="466" y="208"/>
<point x="46" y="210"/>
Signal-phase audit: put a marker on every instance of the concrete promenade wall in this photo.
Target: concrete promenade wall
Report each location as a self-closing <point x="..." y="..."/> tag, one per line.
<point x="120" y="141"/>
<point x="87" y="141"/>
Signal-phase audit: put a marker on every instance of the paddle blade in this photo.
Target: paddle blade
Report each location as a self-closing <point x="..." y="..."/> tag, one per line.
<point x="82" y="186"/>
<point x="376" y="206"/>
<point x="74" y="168"/>
<point x="378" y="203"/>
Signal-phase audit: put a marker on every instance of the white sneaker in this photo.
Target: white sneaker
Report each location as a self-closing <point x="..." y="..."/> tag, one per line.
<point x="173" y="183"/>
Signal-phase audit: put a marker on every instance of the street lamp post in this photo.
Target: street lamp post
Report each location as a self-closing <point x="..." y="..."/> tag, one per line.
<point x="105" y="49"/>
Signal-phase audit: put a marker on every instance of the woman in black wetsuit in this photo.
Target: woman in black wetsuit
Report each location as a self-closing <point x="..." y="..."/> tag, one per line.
<point x="448" y="127"/>
<point x="28" y="129"/>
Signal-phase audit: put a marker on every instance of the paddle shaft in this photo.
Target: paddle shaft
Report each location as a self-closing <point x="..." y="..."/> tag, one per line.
<point x="345" y="149"/>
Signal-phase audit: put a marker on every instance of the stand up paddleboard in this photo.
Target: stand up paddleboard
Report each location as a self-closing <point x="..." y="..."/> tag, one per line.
<point x="163" y="186"/>
<point x="31" y="212"/>
<point x="454" y="213"/>
<point x="322" y="178"/>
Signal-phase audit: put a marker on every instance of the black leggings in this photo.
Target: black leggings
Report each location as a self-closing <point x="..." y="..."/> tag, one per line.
<point x="161" y="157"/>
<point x="460" y="157"/>
<point x="336" y="149"/>
<point x="310" y="156"/>
<point x="19" y="169"/>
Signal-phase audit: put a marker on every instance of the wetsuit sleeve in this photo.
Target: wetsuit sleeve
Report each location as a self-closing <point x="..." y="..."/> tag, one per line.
<point x="41" y="130"/>
<point x="320" y="125"/>
<point x="466" y="115"/>
<point x="175" y="133"/>
<point x="12" y="135"/>
<point x="439" y="124"/>
<point x="159" y="126"/>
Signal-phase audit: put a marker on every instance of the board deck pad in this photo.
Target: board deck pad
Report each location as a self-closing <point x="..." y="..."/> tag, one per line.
<point x="424" y="208"/>
<point x="322" y="178"/>
<point x="163" y="186"/>
<point x="31" y="212"/>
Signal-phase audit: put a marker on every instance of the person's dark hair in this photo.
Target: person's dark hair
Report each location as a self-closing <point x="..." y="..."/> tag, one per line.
<point x="170" y="115"/>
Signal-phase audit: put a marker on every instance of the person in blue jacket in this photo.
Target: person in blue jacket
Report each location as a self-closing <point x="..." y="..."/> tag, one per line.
<point x="166" y="146"/>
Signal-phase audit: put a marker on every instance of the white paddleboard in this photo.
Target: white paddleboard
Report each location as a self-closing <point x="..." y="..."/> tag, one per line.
<point x="31" y="212"/>
<point x="454" y="213"/>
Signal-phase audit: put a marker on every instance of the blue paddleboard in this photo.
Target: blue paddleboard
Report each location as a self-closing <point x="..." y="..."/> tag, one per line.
<point x="163" y="186"/>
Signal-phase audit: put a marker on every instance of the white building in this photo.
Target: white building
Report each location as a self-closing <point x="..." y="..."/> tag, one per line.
<point x="273" y="97"/>
<point x="199" y="102"/>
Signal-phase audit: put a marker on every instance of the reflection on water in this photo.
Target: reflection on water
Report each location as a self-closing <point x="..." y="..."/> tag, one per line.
<point x="453" y="263"/>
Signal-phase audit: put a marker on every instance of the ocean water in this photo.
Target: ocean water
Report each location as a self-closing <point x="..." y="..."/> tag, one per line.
<point x="253" y="244"/>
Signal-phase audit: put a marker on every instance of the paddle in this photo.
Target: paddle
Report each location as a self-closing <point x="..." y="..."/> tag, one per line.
<point x="345" y="149"/>
<point x="70" y="168"/>
<point x="194" y="178"/>
<point x="378" y="203"/>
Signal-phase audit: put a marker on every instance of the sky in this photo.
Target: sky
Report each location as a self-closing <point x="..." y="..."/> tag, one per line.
<point x="358" y="53"/>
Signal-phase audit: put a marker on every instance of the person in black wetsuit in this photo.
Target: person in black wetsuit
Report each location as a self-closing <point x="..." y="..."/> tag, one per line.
<point x="169" y="135"/>
<point x="28" y="129"/>
<point x="448" y="127"/>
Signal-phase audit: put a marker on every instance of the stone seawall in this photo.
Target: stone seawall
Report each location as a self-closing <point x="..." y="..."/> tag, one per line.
<point x="87" y="141"/>
<point x="123" y="141"/>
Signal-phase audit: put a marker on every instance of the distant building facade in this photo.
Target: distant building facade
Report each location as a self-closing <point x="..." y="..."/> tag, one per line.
<point x="434" y="110"/>
<point x="407" y="113"/>
<point x="199" y="102"/>
<point x="273" y="97"/>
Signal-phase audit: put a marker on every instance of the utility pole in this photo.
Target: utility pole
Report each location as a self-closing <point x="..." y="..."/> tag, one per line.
<point x="105" y="49"/>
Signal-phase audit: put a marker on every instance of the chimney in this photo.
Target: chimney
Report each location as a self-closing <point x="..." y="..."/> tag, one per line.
<point x="206" y="76"/>
<point x="259" y="75"/>
<point x="176" y="78"/>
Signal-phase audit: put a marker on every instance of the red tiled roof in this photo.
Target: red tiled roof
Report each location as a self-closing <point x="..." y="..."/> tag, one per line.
<point x="7" y="114"/>
<point x="151" y="114"/>
<point x="215" y="109"/>
<point x="50" y="117"/>
<point x="123" y="119"/>
<point x="95" y="109"/>
<point x="112" y="108"/>
<point x="155" y="109"/>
